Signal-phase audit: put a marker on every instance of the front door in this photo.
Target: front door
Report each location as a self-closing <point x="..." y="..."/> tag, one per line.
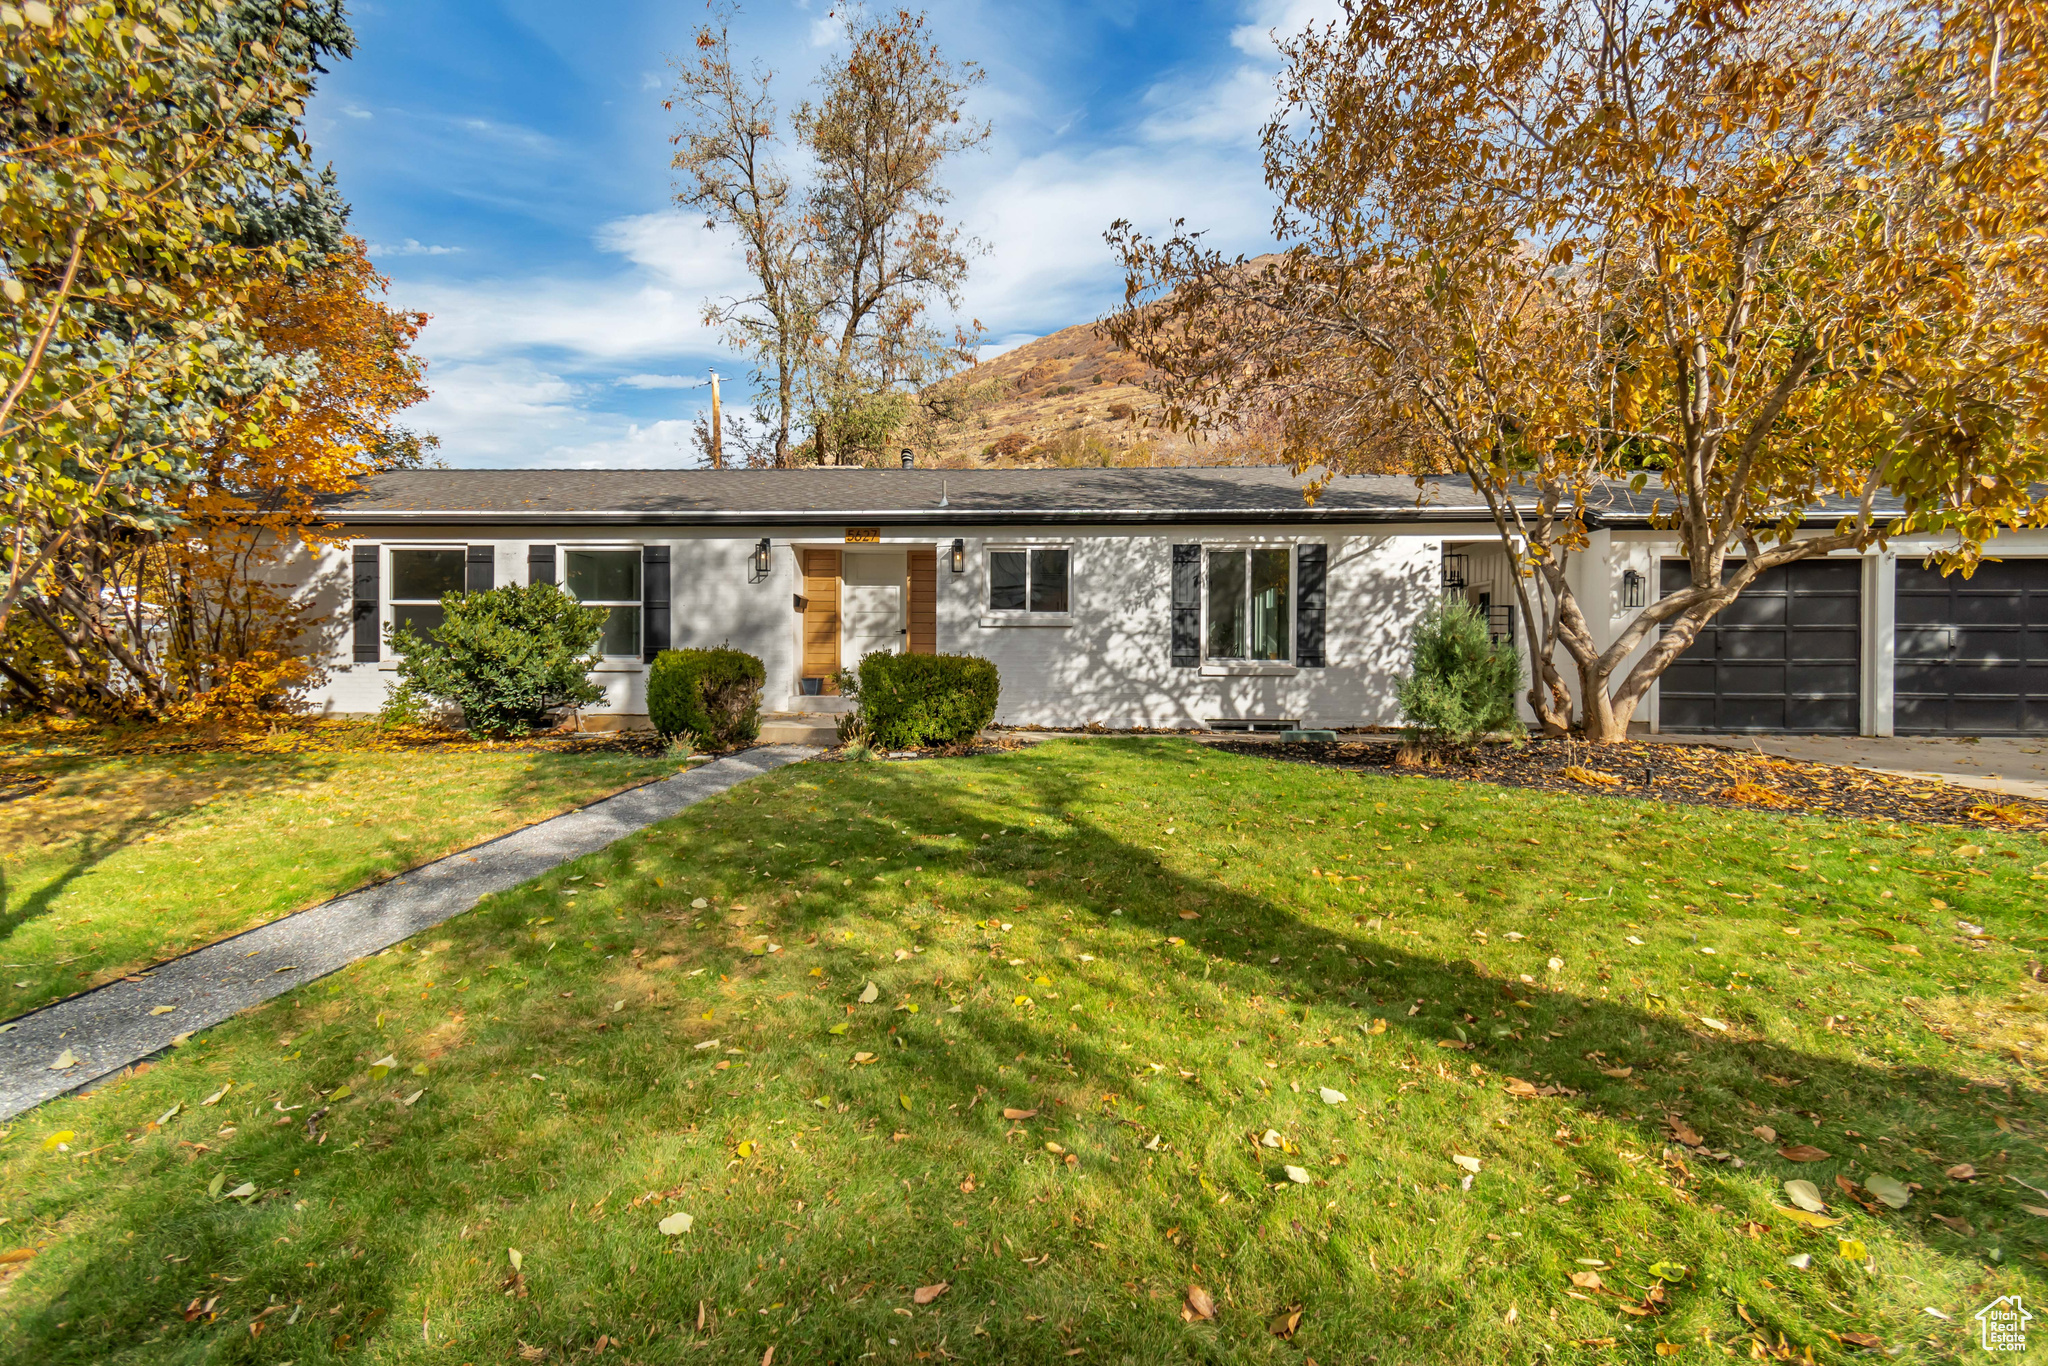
<point x="871" y="603"/>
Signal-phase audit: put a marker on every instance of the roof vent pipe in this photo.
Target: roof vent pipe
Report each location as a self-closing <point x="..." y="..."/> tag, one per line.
<point x="909" y="460"/>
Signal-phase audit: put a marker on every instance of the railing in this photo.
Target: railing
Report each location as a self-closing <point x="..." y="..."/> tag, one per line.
<point x="1500" y="622"/>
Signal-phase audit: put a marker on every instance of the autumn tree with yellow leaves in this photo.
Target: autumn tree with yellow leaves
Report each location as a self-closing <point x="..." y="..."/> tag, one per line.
<point x="1775" y="265"/>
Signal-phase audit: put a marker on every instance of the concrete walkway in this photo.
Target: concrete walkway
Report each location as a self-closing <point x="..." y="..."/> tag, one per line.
<point x="110" y="1027"/>
<point x="2012" y="765"/>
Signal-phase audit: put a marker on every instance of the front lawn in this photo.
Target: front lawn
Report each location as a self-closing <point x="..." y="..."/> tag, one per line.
<point x="1388" y="1067"/>
<point x="118" y="860"/>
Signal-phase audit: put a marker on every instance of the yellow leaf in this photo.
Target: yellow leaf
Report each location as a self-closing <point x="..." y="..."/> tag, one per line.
<point x="162" y="1010"/>
<point x="382" y="1067"/>
<point x="676" y="1223"/>
<point x="1811" y="1220"/>
<point x="342" y="1092"/>
<point x="58" y="1139"/>
<point x="903" y="1100"/>
<point x="746" y="1149"/>
<point x="1853" y="1249"/>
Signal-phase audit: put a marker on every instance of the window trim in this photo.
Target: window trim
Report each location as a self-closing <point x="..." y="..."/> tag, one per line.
<point x="1214" y="667"/>
<point x="630" y="663"/>
<point x="1024" y="616"/>
<point x="387" y="609"/>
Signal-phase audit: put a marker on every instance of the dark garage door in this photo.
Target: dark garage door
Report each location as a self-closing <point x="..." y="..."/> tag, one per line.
<point x="1972" y="653"/>
<point x="1783" y="656"/>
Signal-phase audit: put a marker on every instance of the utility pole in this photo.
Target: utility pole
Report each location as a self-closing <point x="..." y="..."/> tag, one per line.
<point x="717" y="427"/>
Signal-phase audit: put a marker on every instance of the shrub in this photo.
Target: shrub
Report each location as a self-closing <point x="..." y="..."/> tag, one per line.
<point x="713" y="696"/>
<point x="907" y="701"/>
<point x="1009" y="445"/>
<point x="1464" y="682"/>
<point x="508" y="657"/>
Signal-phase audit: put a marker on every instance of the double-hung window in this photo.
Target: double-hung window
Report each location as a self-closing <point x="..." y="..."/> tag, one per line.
<point x="608" y="579"/>
<point x="1249" y="605"/>
<point x="418" y="579"/>
<point x="1030" y="580"/>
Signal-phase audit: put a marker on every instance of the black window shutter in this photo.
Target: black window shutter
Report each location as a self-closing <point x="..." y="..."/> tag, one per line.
<point x="1187" y="606"/>
<point x="540" y="564"/>
<point x="477" y="579"/>
<point x="1310" y="563"/>
<point x="366" y="595"/>
<point x="653" y="601"/>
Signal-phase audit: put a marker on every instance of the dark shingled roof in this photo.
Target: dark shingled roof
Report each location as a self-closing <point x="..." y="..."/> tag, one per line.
<point x="916" y="497"/>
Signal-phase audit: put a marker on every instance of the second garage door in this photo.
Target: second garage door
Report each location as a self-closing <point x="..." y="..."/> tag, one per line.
<point x="1784" y="656"/>
<point x="1973" y="653"/>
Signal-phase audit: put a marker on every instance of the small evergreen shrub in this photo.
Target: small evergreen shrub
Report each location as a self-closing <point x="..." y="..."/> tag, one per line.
<point x="508" y="657"/>
<point x="713" y="696"/>
<point x="1464" y="682"/>
<point x="911" y="701"/>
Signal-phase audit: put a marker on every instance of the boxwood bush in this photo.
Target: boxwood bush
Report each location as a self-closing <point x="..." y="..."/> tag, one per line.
<point x="509" y="658"/>
<point x="713" y="696"/>
<point x="1464" y="684"/>
<point x="910" y="701"/>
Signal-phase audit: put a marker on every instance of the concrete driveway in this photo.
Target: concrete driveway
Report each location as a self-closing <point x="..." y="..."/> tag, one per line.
<point x="2016" y="766"/>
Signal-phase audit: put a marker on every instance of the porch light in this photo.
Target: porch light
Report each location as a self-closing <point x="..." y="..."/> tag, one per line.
<point x="1631" y="589"/>
<point x="758" y="561"/>
<point x="1454" y="576"/>
<point x="959" y="555"/>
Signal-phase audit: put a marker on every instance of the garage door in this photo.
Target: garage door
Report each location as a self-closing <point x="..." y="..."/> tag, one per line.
<point x="1783" y="656"/>
<point x="1972" y="653"/>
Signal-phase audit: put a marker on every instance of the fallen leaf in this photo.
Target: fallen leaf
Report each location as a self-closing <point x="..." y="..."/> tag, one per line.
<point x="1298" y="1175"/>
<point x="15" y="1255"/>
<point x="1852" y="1249"/>
<point x="65" y="1061"/>
<point x="1803" y="1152"/>
<point x="1332" y="1097"/>
<point x="1682" y="1131"/>
<point x="1199" y="1305"/>
<point x="517" y="1257"/>
<point x="1957" y="1224"/>
<point x="676" y="1223"/>
<point x="382" y="1067"/>
<point x="59" y="1139"/>
<point x="1806" y="1195"/>
<point x="1587" y="1280"/>
<point x="1617" y="1071"/>
<point x="903" y="1099"/>
<point x="1669" y="1349"/>
<point x="2036" y="1210"/>
<point x="529" y="1352"/>
<point x="338" y="1093"/>
<point x="1285" y="1322"/>
<point x="1806" y="1217"/>
<point x="243" y="1191"/>
<point x="162" y="1010"/>
<point x="1555" y="964"/>
<point x="713" y="1043"/>
<point x="925" y="1294"/>
<point x="1766" y="1133"/>
<point x="1009" y="1113"/>
<point x="408" y="1101"/>
<point x="1861" y="1339"/>
<point x="839" y="1028"/>
<point x="1669" y="1271"/>
<point x="215" y="1098"/>
<point x="1887" y="1189"/>
<point x="1803" y="1262"/>
<point x="864" y="1058"/>
<point x="1962" y="1171"/>
<point x="870" y="994"/>
<point x="1712" y="1023"/>
<point x="1271" y="1138"/>
<point x="1470" y="1164"/>
<point x="745" y="1149"/>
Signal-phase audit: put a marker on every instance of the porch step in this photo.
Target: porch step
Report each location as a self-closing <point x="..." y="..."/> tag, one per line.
<point x="799" y="731"/>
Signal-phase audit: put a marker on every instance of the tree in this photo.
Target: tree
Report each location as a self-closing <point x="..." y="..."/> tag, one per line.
<point x="143" y="143"/>
<point x="724" y="150"/>
<point x="846" y="272"/>
<point x="1785" y="260"/>
<point x="161" y="620"/>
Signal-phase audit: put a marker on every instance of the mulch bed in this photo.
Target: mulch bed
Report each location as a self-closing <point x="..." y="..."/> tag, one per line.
<point x="1698" y="775"/>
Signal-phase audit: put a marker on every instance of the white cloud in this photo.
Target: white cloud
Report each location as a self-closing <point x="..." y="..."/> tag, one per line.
<point x="657" y="445"/>
<point x="660" y="381"/>
<point x="411" y="246"/>
<point x="1286" y="17"/>
<point x="357" y="112"/>
<point x="516" y="413"/>
<point x="990" y="350"/>
<point x="825" y="32"/>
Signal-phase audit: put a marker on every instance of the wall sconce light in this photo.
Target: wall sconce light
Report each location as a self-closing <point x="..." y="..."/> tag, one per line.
<point x="1454" y="574"/>
<point x="757" y="563"/>
<point x="1631" y="589"/>
<point x="959" y="555"/>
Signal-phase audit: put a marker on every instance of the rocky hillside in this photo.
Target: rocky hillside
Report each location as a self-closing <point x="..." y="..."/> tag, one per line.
<point x="1066" y="399"/>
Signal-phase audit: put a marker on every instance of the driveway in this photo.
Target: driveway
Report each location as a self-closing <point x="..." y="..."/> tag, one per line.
<point x="2016" y="766"/>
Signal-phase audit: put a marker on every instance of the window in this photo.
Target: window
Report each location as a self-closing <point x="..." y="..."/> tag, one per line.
<point x="418" y="579"/>
<point x="608" y="578"/>
<point x="1029" y="580"/>
<point x="1249" y="605"/>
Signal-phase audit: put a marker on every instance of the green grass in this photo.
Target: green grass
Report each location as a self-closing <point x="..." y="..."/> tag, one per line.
<point x="129" y="859"/>
<point x="1021" y="919"/>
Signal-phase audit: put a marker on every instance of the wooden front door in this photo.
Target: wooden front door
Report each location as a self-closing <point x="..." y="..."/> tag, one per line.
<point x="821" y="616"/>
<point x="924" y="601"/>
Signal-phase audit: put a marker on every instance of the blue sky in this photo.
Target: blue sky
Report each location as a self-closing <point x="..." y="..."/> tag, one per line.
<point x="508" y="163"/>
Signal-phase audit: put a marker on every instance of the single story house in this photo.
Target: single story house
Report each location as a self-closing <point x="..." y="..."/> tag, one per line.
<point x="1185" y="597"/>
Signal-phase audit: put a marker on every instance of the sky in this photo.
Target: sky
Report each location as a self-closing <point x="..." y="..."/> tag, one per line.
<point x="508" y="163"/>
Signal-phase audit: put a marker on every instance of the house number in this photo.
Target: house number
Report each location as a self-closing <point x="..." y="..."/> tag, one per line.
<point x="863" y="535"/>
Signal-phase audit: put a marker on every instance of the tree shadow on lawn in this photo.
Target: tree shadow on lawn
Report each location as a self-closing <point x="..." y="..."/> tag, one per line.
<point x="635" y="1094"/>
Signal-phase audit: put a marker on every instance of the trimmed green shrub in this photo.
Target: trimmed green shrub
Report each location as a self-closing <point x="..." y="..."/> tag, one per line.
<point x="713" y="696"/>
<point x="508" y="657"/>
<point x="1464" y="681"/>
<point x="910" y="701"/>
